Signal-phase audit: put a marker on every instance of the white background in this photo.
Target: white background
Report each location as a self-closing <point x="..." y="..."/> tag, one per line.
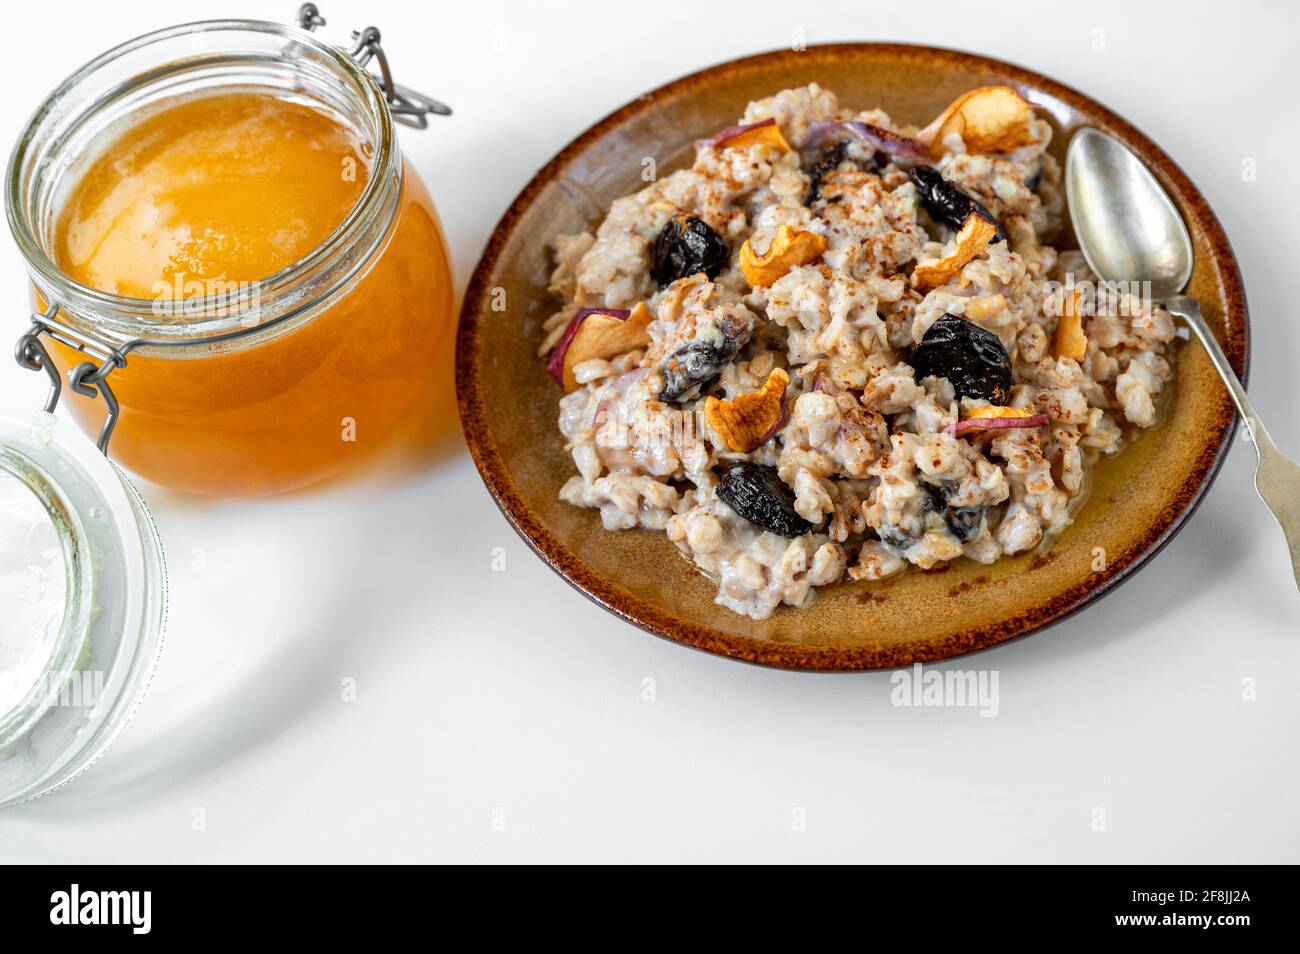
<point x="489" y="700"/>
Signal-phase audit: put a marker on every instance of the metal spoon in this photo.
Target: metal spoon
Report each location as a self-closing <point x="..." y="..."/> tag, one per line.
<point x="1129" y="229"/>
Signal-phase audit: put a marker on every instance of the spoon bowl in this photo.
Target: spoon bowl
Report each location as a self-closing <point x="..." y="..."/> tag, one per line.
<point x="1130" y="231"/>
<point x="1133" y="229"/>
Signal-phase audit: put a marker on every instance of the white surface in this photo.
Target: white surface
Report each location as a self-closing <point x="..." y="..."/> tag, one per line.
<point x="490" y="700"/>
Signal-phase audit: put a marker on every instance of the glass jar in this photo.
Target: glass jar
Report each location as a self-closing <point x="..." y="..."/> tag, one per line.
<point x="223" y="393"/>
<point x="82" y="602"/>
<point x="242" y="391"/>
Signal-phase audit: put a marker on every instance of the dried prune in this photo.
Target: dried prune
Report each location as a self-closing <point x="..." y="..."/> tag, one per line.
<point x="757" y="493"/>
<point x="947" y="204"/>
<point x="686" y="245"/>
<point x="972" y="359"/>
<point x="827" y="163"/>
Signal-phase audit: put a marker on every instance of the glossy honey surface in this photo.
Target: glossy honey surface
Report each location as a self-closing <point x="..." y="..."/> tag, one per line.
<point x="211" y="193"/>
<point x="223" y="188"/>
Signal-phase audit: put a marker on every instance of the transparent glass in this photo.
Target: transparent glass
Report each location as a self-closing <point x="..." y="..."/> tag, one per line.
<point x="224" y="394"/>
<point x="83" y="593"/>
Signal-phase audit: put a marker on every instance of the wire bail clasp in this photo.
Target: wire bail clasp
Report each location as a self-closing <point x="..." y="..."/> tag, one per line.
<point x="87" y="378"/>
<point x="407" y="106"/>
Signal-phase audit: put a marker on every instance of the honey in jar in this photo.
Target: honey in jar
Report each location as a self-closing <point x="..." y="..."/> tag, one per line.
<point x="238" y="276"/>
<point x="221" y="189"/>
<point x="312" y="254"/>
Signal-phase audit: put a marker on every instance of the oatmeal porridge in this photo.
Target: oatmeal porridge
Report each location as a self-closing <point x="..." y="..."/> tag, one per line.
<point x="838" y="346"/>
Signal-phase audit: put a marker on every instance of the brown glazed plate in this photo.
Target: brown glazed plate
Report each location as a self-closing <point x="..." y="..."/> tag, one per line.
<point x="508" y="404"/>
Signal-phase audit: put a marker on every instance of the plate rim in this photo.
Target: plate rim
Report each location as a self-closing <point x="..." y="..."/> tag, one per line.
<point x="631" y="608"/>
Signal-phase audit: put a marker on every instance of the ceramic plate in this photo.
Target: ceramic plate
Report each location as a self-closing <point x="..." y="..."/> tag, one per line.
<point x="508" y="404"/>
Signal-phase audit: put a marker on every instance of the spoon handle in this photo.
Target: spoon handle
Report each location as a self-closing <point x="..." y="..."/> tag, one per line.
<point x="1277" y="478"/>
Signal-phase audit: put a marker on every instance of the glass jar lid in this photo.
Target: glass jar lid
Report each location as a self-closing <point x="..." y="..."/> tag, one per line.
<point x="82" y="601"/>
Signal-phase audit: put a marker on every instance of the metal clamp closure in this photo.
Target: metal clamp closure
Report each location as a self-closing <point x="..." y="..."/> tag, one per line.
<point x="407" y="106"/>
<point x="87" y="378"/>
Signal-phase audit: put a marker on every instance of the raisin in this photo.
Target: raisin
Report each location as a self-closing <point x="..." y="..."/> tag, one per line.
<point x="895" y="537"/>
<point x="830" y="161"/>
<point x="936" y="498"/>
<point x="947" y="204"/>
<point x="757" y="493"/>
<point x="964" y="522"/>
<point x="1035" y="178"/>
<point x="702" y="358"/>
<point x="692" y="365"/>
<point x="685" y="246"/>
<point x="972" y="359"/>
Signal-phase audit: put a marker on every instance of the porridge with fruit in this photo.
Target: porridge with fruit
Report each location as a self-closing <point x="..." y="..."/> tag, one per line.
<point x="837" y="346"/>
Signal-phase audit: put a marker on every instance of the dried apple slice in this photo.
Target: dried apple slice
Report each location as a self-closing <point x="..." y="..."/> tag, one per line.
<point x="989" y="119"/>
<point x="766" y="132"/>
<point x="1070" y="340"/>
<point x="750" y="420"/>
<point x="598" y="333"/>
<point x="790" y="248"/>
<point x="976" y="233"/>
<point x="994" y="416"/>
